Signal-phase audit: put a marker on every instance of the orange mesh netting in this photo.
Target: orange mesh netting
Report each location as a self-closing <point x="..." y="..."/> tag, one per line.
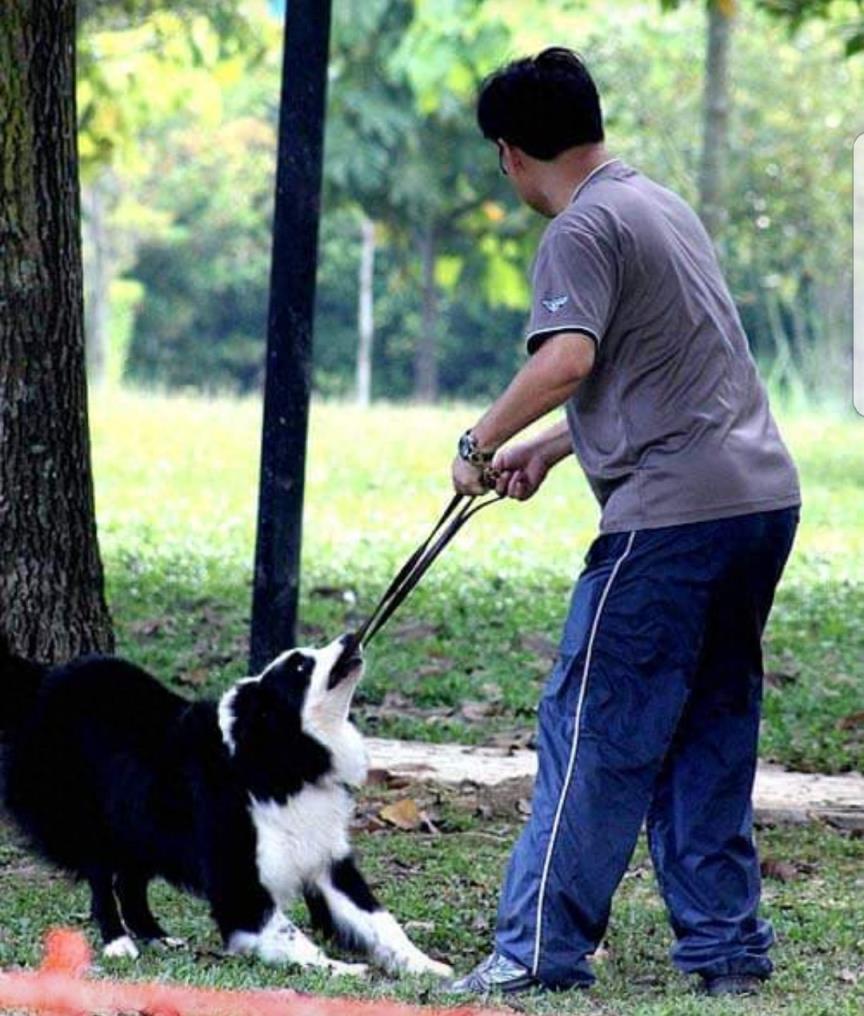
<point x="60" y="988"/>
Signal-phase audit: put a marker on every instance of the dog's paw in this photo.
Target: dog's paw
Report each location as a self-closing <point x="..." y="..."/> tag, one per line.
<point x="439" y="969"/>
<point x="423" y="964"/>
<point x="121" y="948"/>
<point x="339" y="969"/>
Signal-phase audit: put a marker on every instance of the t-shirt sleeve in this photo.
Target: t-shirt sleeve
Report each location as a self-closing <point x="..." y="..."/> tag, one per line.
<point x="575" y="284"/>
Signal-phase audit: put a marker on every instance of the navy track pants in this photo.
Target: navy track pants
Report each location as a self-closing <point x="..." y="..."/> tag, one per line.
<point x="651" y="713"/>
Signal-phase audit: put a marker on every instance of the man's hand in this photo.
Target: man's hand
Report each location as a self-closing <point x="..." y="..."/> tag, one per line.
<point x="522" y="468"/>
<point x="467" y="479"/>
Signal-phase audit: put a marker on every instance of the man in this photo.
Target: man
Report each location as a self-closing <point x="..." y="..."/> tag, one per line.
<point x="652" y="710"/>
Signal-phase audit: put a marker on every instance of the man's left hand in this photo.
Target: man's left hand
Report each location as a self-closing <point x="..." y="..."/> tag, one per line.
<point x="467" y="479"/>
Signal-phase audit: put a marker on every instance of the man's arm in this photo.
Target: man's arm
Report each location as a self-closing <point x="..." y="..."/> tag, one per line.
<point x="554" y="443"/>
<point x="546" y="381"/>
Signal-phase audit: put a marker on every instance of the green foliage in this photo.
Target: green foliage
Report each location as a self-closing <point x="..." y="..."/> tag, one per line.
<point x="202" y="321"/>
<point x="793" y="121"/>
<point x="192" y="51"/>
<point x="798" y="12"/>
<point x="402" y="147"/>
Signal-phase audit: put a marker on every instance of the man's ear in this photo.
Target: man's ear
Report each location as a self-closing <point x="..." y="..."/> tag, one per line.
<point x="515" y="157"/>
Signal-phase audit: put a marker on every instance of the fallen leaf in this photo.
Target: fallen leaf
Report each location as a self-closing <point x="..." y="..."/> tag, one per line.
<point x="779" y="678"/>
<point x="368" y="824"/>
<point x="427" y="824"/>
<point x="152" y="626"/>
<point x="512" y="740"/>
<point x="310" y="633"/>
<point x="403" y="814"/>
<point x="474" y="711"/>
<point x="851" y="721"/>
<point x="409" y="631"/>
<point x="436" y="666"/>
<point x="782" y="871"/>
<point x="540" y="644"/>
<point x="195" y="677"/>
<point x="386" y="778"/>
<point x="211" y="617"/>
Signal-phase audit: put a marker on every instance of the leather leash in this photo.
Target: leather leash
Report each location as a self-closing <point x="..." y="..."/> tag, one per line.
<point x="455" y="515"/>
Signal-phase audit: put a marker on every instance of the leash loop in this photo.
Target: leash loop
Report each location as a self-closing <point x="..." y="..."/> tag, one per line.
<point x="460" y="508"/>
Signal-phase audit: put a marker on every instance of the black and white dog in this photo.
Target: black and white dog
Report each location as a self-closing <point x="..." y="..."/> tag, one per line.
<point x="245" y="801"/>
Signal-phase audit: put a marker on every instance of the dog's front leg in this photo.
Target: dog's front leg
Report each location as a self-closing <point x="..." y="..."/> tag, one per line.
<point x="281" y="941"/>
<point x="342" y="905"/>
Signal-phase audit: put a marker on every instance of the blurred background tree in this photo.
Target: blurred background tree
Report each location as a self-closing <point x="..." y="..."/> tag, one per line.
<point x="423" y="244"/>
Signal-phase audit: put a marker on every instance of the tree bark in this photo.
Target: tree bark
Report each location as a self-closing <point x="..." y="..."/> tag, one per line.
<point x="426" y="353"/>
<point x="715" y="134"/>
<point x="365" y="312"/>
<point x="52" y="603"/>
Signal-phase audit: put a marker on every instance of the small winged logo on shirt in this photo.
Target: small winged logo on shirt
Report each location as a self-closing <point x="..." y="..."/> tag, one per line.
<point x="555" y="303"/>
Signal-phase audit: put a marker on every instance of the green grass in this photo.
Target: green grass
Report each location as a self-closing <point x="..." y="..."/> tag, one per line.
<point x="176" y="484"/>
<point x="444" y="889"/>
<point x="176" y="481"/>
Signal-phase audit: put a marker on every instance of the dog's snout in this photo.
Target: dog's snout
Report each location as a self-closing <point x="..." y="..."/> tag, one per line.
<point x="350" y="642"/>
<point x="349" y="660"/>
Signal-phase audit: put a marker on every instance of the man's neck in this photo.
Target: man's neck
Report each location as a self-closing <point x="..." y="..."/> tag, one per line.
<point x="568" y="171"/>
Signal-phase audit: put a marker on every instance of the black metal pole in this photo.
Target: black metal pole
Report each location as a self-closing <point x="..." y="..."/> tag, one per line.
<point x="289" y="328"/>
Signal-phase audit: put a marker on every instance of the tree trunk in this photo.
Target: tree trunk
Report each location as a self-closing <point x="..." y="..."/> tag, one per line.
<point x="97" y="277"/>
<point x="426" y="353"/>
<point x="52" y="603"/>
<point x="366" y="312"/>
<point x="715" y="143"/>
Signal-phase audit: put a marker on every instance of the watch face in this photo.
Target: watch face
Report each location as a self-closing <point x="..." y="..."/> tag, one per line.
<point x="466" y="446"/>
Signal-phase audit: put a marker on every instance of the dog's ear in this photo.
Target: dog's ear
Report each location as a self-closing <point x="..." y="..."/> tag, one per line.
<point x="273" y="754"/>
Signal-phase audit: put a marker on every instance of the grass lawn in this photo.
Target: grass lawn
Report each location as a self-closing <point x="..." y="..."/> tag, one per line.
<point x="175" y="485"/>
<point x="176" y="482"/>
<point x="443" y="887"/>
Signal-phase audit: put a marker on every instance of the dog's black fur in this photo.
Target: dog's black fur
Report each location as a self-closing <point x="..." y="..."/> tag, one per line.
<point x="245" y="802"/>
<point x="117" y="779"/>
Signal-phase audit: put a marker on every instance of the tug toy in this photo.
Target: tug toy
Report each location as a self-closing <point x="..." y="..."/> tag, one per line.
<point x="60" y="988"/>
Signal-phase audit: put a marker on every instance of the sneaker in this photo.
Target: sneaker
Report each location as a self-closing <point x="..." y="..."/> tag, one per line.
<point x="732" y="984"/>
<point x="495" y="973"/>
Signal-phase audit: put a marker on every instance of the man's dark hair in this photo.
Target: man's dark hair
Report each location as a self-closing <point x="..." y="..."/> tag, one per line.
<point x="543" y="104"/>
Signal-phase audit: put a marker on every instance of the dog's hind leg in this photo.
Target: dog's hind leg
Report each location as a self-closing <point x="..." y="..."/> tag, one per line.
<point x="131" y="892"/>
<point x="343" y="906"/>
<point x="103" y="908"/>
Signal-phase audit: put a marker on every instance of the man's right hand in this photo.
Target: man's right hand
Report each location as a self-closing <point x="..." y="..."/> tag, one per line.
<point x="522" y="469"/>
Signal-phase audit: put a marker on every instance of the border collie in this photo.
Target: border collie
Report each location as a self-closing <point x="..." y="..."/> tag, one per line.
<point x="245" y="801"/>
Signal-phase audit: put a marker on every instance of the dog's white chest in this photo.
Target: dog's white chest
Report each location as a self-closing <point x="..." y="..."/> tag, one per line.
<point x="298" y="840"/>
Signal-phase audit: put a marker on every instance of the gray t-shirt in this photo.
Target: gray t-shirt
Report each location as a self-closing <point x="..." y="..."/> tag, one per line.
<point x="672" y="425"/>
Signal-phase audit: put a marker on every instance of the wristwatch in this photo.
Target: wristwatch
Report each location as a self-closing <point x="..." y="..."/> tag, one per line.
<point x="469" y="451"/>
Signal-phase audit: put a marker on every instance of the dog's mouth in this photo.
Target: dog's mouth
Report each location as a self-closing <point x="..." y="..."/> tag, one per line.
<point x="350" y="661"/>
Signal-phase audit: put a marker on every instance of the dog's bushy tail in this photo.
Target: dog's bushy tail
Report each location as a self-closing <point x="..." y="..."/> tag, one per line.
<point x="19" y="684"/>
